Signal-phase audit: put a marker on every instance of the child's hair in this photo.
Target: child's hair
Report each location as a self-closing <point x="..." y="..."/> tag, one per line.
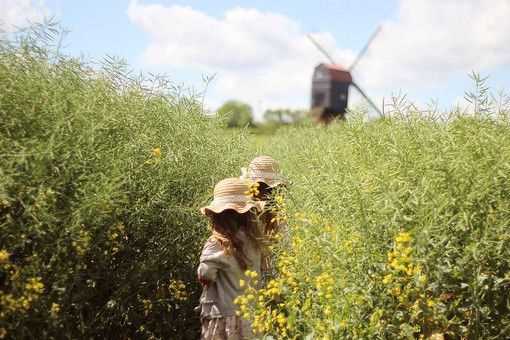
<point x="268" y="218"/>
<point x="225" y="228"/>
<point x="265" y="192"/>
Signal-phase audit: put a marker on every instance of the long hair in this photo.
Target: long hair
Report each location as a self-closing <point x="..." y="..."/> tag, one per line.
<point x="268" y="217"/>
<point x="226" y="226"/>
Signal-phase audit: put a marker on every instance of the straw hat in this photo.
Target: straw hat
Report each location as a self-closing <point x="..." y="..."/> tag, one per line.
<point x="231" y="193"/>
<point x="264" y="169"/>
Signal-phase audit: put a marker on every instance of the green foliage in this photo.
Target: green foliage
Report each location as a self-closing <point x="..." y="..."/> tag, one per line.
<point x="236" y="114"/>
<point x="408" y="215"/>
<point x="101" y="178"/>
<point x="479" y="97"/>
<point x="398" y="228"/>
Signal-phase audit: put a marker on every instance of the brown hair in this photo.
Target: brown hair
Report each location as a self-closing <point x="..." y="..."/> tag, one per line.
<point x="268" y="217"/>
<point x="226" y="226"/>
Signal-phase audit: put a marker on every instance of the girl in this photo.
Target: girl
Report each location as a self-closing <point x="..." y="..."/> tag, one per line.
<point x="264" y="171"/>
<point x="232" y="249"/>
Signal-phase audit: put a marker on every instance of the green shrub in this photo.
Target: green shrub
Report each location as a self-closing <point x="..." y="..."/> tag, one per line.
<point x="236" y="114"/>
<point x="101" y="177"/>
<point x="399" y="229"/>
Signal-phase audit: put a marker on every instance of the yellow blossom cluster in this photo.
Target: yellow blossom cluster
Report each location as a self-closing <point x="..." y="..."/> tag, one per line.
<point x="299" y="300"/>
<point x="147" y="306"/>
<point x="82" y="242"/>
<point x="253" y="191"/>
<point x="279" y="209"/>
<point x="155" y="156"/>
<point x="257" y="305"/>
<point x="156" y="152"/>
<point x="4" y="256"/>
<point x="116" y="235"/>
<point x="325" y="285"/>
<point x="55" y="310"/>
<point x="276" y="307"/>
<point x="177" y="289"/>
<point x="19" y="293"/>
<point x="30" y="292"/>
<point x="406" y="285"/>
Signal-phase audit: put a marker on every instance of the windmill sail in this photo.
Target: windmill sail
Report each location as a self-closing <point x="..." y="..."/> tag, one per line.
<point x="365" y="48"/>
<point x="367" y="98"/>
<point x="320" y="48"/>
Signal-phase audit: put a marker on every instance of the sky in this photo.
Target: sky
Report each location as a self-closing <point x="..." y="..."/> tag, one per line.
<point x="258" y="51"/>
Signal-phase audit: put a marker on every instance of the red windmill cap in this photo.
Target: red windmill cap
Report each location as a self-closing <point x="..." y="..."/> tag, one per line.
<point x="338" y="73"/>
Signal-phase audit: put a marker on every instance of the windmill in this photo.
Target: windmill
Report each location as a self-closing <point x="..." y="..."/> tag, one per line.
<point x="331" y="83"/>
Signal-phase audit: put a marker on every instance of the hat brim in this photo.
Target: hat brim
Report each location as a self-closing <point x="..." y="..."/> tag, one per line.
<point x="241" y="208"/>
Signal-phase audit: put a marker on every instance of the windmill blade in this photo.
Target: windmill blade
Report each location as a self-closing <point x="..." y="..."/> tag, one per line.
<point x="365" y="48"/>
<point x="367" y="99"/>
<point x="320" y="48"/>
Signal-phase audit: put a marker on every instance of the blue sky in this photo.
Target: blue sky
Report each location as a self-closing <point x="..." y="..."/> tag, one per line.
<point x="100" y="27"/>
<point x="259" y="53"/>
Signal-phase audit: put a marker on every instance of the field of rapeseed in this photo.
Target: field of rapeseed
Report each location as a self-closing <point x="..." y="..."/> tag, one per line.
<point x="101" y="178"/>
<point x="398" y="227"/>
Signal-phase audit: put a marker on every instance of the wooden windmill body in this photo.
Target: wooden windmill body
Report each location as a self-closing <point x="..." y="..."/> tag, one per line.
<point x="330" y="86"/>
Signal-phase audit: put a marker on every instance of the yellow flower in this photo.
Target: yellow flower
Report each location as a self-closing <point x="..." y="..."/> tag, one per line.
<point x="4" y="256"/>
<point x="253" y="191"/>
<point x="156" y="152"/>
<point x="242" y="283"/>
<point x="34" y="284"/>
<point x="281" y="319"/>
<point x="55" y="309"/>
<point x="178" y="290"/>
<point x="403" y="237"/>
<point x="327" y="311"/>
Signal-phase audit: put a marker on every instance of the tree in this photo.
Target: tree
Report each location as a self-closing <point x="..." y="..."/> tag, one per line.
<point x="236" y="114"/>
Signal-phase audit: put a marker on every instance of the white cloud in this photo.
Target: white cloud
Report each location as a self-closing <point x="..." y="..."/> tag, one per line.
<point x="20" y="13"/>
<point x="434" y="39"/>
<point x="264" y="57"/>
<point x="260" y="57"/>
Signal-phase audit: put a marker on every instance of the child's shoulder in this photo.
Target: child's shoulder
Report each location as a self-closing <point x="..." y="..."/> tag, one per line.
<point x="211" y="246"/>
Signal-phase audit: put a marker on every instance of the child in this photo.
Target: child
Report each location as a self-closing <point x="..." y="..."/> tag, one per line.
<point x="264" y="170"/>
<point x="232" y="249"/>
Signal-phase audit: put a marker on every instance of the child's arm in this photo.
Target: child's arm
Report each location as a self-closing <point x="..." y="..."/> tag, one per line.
<point x="211" y="261"/>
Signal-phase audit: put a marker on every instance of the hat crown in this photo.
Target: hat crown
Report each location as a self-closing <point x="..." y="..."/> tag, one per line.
<point x="234" y="188"/>
<point x="265" y="164"/>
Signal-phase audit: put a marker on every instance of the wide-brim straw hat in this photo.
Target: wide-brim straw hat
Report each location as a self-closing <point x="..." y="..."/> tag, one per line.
<point x="264" y="169"/>
<point x="232" y="193"/>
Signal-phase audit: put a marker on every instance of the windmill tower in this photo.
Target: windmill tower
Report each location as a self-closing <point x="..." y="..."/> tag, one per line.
<point x="331" y="83"/>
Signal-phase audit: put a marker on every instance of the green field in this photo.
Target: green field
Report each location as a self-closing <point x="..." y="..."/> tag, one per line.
<point x="398" y="227"/>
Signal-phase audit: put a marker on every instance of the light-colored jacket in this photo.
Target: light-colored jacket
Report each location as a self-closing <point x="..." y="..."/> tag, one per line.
<point x="224" y="273"/>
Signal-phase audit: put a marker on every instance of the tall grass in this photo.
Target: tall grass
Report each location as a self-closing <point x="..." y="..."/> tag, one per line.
<point x="399" y="229"/>
<point x="101" y="177"/>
